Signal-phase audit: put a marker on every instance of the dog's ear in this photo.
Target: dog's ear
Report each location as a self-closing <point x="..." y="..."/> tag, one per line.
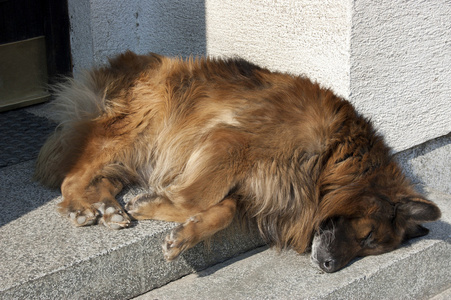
<point x="418" y="210"/>
<point x="410" y="213"/>
<point x="414" y="231"/>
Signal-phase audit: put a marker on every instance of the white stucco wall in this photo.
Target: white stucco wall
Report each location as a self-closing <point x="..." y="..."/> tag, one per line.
<point x="391" y="58"/>
<point x="401" y="68"/>
<point x="297" y="36"/>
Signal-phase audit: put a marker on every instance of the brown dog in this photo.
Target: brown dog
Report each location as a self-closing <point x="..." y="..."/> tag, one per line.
<point x="212" y="138"/>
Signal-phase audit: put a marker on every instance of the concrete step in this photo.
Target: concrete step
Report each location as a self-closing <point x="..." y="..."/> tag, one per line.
<point x="421" y="269"/>
<point x="43" y="257"/>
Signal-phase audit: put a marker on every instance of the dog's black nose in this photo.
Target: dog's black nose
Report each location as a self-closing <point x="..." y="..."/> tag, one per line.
<point x="328" y="265"/>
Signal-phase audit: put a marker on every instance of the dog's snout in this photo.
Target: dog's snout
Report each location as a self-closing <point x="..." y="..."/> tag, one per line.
<point x="328" y="265"/>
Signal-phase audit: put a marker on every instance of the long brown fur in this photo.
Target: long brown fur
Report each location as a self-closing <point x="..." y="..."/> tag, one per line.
<point x="215" y="134"/>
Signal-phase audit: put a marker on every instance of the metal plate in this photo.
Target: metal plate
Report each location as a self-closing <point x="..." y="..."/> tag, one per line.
<point x="23" y="73"/>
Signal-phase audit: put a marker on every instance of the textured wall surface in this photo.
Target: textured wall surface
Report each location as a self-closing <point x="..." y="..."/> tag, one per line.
<point x="298" y="36"/>
<point x="401" y="68"/>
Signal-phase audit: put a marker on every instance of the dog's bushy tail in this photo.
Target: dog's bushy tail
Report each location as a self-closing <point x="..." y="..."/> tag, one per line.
<point x="76" y="104"/>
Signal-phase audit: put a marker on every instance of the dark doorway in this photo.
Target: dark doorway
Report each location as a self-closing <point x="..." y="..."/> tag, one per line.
<point x="34" y="48"/>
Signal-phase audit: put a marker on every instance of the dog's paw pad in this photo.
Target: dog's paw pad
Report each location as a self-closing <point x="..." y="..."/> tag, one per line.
<point x="172" y="245"/>
<point x="84" y="218"/>
<point x="115" y="218"/>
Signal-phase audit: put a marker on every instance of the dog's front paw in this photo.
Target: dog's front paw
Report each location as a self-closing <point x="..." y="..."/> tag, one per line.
<point x="170" y="249"/>
<point x="172" y="245"/>
<point x="136" y="206"/>
<point x="180" y="239"/>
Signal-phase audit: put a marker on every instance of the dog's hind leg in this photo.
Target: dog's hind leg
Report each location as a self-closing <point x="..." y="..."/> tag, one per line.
<point x="88" y="202"/>
<point x="149" y="206"/>
<point x="89" y="189"/>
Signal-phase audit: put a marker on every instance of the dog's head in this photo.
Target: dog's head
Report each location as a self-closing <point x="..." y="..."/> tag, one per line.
<point x="378" y="226"/>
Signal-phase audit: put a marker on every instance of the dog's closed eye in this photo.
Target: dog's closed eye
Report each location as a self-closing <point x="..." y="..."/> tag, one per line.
<point x="367" y="241"/>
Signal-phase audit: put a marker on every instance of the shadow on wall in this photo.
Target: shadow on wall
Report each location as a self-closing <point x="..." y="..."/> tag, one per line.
<point x="171" y="27"/>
